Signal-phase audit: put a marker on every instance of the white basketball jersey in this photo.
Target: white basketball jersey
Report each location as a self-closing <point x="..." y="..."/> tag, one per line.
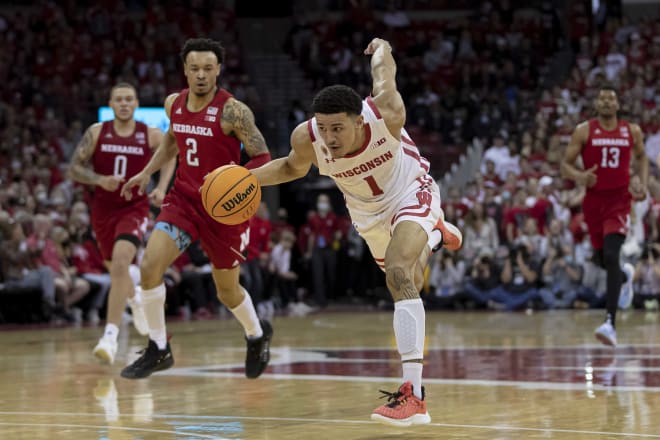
<point x="380" y="173"/>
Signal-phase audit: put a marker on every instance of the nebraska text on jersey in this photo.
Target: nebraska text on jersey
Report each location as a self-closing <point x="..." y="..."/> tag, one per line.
<point x="192" y="129"/>
<point x="364" y="167"/>
<point x="610" y="141"/>
<point x="122" y="149"/>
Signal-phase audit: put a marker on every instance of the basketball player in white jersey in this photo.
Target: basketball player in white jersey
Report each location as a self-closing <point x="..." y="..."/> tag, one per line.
<point x="392" y="200"/>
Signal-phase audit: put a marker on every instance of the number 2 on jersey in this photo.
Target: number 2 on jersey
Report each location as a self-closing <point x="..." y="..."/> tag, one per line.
<point x="192" y="160"/>
<point x="375" y="189"/>
<point x="610" y="157"/>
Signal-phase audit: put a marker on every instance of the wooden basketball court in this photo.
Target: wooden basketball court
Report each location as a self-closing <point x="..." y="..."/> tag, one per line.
<point x="487" y="376"/>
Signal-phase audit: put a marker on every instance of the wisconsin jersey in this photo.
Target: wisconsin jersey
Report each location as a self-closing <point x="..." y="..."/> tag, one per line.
<point x="122" y="157"/>
<point x="203" y="146"/>
<point x="380" y="173"/>
<point x="611" y="152"/>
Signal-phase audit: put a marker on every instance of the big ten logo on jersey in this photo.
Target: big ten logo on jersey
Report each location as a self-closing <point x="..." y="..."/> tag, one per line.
<point x="624" y="132"/>
<point x="378" y="143"/>
<point x="139" y="136"/>
<point x="211" y="113"/>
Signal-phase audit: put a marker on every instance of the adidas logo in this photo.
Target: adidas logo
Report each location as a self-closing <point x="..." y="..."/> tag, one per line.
<point x="178" y="111"/>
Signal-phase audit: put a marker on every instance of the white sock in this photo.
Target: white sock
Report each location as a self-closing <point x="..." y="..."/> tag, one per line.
<point x="247" y="316"/>
<point x="409" y="331"/>
<point x="412" y="372"/>
<point x="111" y="332"/>
<point x="153" y="302"/>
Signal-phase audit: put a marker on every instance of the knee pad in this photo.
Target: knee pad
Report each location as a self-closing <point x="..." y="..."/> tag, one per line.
<point x="409" y="329"/>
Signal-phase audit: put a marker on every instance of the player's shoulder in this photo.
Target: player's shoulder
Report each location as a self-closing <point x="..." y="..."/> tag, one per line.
<point x="303" y="134"/>
<point x="169" y="101"/>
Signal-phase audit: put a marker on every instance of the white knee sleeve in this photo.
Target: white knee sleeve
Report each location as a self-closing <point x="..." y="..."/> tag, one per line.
<point x="155" y="295"/>
<point x="409" y="328"/>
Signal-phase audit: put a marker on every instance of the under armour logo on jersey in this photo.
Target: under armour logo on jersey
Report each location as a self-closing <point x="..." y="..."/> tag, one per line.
<point x="212" y="110"/>
<point x="178" y="111"/>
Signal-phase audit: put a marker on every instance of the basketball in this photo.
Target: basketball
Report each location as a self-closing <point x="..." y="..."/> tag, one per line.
<point x="231" y="194"/>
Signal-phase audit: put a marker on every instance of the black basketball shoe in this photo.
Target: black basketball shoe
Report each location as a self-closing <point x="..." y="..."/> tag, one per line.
<point x="258" y="352"/>
<point x="152" y="360"/>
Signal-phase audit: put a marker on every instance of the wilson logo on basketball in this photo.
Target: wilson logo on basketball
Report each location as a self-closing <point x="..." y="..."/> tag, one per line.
<point x="235" y="201"/>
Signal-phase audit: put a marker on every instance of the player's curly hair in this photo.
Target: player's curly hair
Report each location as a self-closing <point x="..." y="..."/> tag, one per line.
<point x="337" y="99"/>
<point x="203" y="45"/>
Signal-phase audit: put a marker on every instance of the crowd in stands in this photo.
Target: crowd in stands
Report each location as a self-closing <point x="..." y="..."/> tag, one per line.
<point x="479" y="75"/>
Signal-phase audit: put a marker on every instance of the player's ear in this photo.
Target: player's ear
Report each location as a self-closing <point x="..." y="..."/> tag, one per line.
<point x="359" y="121"/>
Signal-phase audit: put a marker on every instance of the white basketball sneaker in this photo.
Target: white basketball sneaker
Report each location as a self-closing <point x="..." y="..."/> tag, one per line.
<point x="626" y="295"/>
<point x="606" y="334"/>
<point x="139" y="318"/>
<point x="105" y="350"/>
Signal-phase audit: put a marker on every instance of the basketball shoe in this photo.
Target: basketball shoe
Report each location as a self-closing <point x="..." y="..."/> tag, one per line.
<point x="137" y="311"/>
<point x="258" y="352"/>
<point x="626" y="295"/>
<point x="152" y="360"/>
<point x="403" y="408"/>
<point x="452" y="239"/>
<point x="105" y="350"/>
<point x="606" y="333"/>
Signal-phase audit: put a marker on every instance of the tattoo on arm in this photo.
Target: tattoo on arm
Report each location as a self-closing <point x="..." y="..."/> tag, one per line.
<point x="79" y="170"/>
<point x="241" y="120"/>
<point x="403" y="285"/>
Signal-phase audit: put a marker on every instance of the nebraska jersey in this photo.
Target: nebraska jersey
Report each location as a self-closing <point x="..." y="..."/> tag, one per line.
<point x="610" y="151"/>
<point x="377" y="175"/>
<point x="203" y="146"/>
<point x="121" y="157"/>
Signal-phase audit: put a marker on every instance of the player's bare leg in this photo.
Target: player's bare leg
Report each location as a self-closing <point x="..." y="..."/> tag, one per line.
<point x="165" y="244"/>
<point x="258" y="333"/>
<point x="121" y="289"/>
<point x="405" y="254"/>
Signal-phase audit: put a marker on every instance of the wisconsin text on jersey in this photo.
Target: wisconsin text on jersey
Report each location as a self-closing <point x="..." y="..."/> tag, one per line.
<point x="192" y="129"/>
<point x="364" y="167"/>
<point x="122" y="149"/>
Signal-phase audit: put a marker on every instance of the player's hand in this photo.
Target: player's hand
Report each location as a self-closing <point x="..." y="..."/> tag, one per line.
<point x="375" y="44"/>
<point x="636" y="188"/>
<point x="110" y="183"/>
<point x="140" y="180"/>
<point x="588" y="177"/>
<point x="156" y="197"/>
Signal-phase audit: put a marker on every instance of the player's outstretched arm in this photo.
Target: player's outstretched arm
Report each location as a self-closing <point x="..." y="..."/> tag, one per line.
<point x="157" y="195"/>
<point x="386" y="96"/>
<point x="80" y="169"/>
<point x="292" y="167"/>
<point x="573" y="150"/>
<point x="166" y="151"/>
<point x="238" y="120"/>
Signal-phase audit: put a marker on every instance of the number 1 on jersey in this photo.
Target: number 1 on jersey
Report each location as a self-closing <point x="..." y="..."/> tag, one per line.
<point x="375" y="189"/>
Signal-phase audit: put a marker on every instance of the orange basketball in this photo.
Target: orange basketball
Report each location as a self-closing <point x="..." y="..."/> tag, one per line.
<point x="231" y="194"/>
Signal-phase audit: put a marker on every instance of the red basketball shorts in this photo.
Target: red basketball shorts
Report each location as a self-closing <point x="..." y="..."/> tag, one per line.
<point x="606" y="212"/>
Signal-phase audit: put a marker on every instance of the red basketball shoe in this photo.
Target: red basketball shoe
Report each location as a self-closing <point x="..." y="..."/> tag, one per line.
<point x="403" y="409"/>
<point x="452" y="239"/>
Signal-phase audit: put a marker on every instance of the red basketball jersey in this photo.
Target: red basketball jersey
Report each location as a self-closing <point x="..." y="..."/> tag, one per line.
<point x="203" y="146"/>
<point x="120" y="156"/>
<point x="610" y="151"/>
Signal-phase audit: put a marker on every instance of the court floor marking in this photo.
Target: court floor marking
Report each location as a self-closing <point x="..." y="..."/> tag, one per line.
<point x="303" y="420"/>
<point x="199" y="372"/>
<point x="110" y="428"/>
